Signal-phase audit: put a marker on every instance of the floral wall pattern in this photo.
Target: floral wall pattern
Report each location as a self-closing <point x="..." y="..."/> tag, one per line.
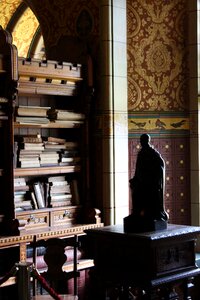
<point x="157" y="69"/>
<point x="157" y="93"/>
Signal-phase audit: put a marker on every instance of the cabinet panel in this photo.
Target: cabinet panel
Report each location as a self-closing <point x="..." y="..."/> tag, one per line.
<point x="64" y="217"/>
<point x="33" y="219"/>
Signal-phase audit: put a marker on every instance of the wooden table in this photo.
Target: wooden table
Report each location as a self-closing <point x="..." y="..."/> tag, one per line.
<point x="33" y="237"/>
<point x="151" y="262"/>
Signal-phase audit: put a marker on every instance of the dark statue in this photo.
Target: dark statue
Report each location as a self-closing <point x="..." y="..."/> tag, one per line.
<point x="147" y="188"/>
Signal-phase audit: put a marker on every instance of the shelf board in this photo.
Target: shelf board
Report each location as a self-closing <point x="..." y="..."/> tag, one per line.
<point x="66" y="124"/>
<point x="45" y="170"/>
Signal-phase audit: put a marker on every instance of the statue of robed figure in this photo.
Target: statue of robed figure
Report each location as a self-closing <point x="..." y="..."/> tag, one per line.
<point x="147" y="186"/>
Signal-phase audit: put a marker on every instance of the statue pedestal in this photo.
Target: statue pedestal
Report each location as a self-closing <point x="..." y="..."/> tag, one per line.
<point x="138" y="224"/>
<point x="156" y="265"/>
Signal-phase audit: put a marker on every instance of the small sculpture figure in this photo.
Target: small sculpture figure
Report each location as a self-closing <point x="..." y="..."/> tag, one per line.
<point x="147" y="187"/>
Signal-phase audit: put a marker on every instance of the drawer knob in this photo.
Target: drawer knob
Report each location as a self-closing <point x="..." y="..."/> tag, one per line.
<point x="31" y="218"/>
<point x="67" y="213"/>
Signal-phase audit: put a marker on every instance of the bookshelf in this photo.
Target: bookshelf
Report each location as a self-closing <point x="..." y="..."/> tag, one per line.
<point x="47" y="126"/>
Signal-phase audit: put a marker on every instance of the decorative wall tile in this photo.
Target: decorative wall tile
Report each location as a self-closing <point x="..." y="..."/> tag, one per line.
<point x="157" y="55"/>
<point x="177" y="180"/>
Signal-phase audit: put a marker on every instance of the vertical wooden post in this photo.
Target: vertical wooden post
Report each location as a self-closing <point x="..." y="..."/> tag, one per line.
<point x="23" y="280"/>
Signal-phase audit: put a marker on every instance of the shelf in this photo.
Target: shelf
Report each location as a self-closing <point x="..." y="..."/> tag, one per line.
<point x="66" y="124"/>
<point x="45" y="170"/>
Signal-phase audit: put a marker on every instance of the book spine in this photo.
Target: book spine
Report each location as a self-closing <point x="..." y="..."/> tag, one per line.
<point x="39" y="194"/>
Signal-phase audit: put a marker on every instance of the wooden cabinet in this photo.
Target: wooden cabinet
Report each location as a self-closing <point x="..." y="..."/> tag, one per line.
<point x="44" y="133"/>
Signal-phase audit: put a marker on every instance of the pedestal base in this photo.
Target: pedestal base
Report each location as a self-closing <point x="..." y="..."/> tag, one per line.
<point x="141" y="224"/>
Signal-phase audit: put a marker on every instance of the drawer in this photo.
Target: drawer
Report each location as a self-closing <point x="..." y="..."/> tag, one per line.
<point x="33" y="220"/>
<point x="66" y="216"/>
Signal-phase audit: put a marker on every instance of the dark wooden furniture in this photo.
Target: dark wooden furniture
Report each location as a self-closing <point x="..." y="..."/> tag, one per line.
<point x="151" y="263"/>
<point x="38" y="86"/>
<point x="43" y="85"/>
<point x="36" y="237"/>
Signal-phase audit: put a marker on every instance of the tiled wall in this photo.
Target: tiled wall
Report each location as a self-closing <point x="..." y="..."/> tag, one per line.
<point x="175" y="152"/>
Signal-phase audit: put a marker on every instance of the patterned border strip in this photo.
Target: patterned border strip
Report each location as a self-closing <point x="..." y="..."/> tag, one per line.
<point x="27" y="238"/>
<point x="157" y="122"/>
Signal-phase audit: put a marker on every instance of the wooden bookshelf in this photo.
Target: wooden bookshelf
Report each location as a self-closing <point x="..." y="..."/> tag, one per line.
<point x="45" y="170"/>
<point x="60" y="86"/>
<point x="50" y="93"/>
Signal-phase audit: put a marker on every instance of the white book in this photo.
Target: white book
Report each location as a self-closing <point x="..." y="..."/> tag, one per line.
<point x="39" y="195"/>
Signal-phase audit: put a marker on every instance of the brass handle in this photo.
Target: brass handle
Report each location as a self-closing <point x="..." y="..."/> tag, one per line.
<point x="31" y="218"/>
<point x="67" y="213"/>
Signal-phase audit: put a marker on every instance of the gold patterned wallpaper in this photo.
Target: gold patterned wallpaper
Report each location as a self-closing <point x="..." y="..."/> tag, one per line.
<point x="25" y="25"/>
<point x="7" y="9"/>
<point x="157" y="68"/>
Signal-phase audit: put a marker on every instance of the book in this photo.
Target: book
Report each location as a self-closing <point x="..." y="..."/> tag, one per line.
<point x="32" y="111"/>
<point x="29" y="152"/>
<point x="23" y="203"/>
<point x="21" y="188"/>
<point x="35" y="205"/>
<point x="30" y="138"/>
<point x="60" y="197"/>
<point x="19" y="198"/>
<point x="54" y="146"/>
<point x="39" y="194"/>
<point x="56" y="178"/>
<point x="61" y="114"/>
<point x="28" y="159"/>
<point x="56" y="140"/>
<point x="70" y="159"/>
<point x="32" y="120"/>
<point x="30" y="164"/>
<point x="69" y="153"/>
<point x="46" y="155"/>
<point x="20" y="181"/>
<point x="59" y="183"/>
<point x="61" y="203"/>
<point x="32" y="146"/>
<point x="67" y="123"/>
<point x="56" y="189"/>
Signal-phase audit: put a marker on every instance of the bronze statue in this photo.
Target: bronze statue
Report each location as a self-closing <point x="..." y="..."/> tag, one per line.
<point x="147" y="187"/>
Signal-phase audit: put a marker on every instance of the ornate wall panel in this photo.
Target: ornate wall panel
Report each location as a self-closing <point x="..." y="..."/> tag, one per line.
<point x="158" y="93"/>
<point x="20" y="21"/>
<point x="157" y="69"/>
<point x="8" y="8"/>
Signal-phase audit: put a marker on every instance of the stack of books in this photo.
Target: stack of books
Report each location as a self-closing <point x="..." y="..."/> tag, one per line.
<point x="49" y="158"/>
<point x="59" y="191"/>
<point x="62" y="152"/>
<point x="31" y="115"/>
<point x="35" y="151"/>
<point x="21" y="195"/>
<point x="29" y="150"/>
<point x="65" y="116"/>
